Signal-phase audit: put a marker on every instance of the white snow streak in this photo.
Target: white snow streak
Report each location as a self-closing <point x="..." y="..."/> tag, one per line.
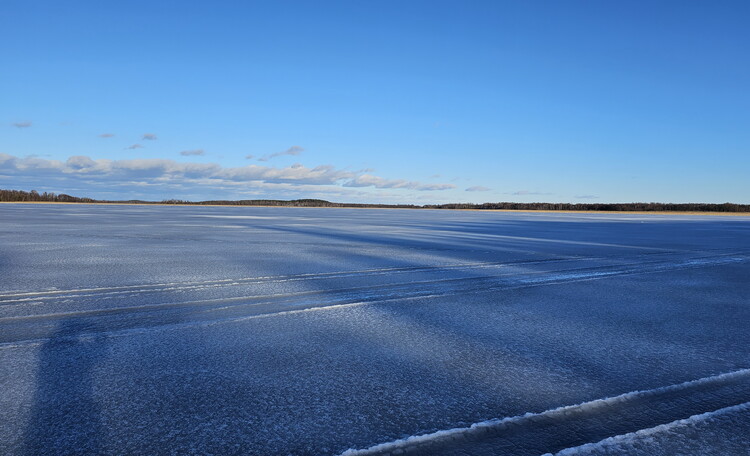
<point x="583" y="407"/>
<point x="632" y="437"/>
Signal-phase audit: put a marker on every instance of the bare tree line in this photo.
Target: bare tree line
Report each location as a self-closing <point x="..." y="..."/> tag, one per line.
<point x="34" y="196"/>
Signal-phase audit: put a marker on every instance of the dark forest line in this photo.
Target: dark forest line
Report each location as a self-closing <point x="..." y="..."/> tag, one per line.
<point x="34" y="196"/>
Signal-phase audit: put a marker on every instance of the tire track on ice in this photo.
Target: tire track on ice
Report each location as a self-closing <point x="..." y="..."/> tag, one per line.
<point x="171" y="286"/>
<point x="50" y="295"/>
<point x="416" y="287"/>
<point x="16" y="329"/>
<point x="575" y="425"/>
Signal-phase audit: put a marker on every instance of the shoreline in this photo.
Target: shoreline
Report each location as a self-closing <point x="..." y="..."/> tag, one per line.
<point x="530" y="211"/>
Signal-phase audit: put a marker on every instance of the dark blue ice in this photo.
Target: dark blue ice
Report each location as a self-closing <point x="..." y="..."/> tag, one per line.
<point x="262" y="331"/>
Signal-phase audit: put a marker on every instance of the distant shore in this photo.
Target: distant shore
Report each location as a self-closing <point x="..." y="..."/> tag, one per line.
<point x="34" y="197"/>
<point x="541" y="211"/>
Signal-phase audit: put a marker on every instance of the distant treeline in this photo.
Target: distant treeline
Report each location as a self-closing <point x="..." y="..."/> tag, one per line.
<point x="286" y="203"/>
<point x="609" y="207"/>
<point x="34" y="196"/>
<point x="20" y="196"/>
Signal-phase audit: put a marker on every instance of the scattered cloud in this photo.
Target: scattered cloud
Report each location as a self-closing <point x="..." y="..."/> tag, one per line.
<point x="587" y="197"/>
<point x="294" y="150"/>
<point x="155" y="172"/>
<point x="368" y="180"/>
<point x="188" y="153"/>
<point x="134" y="146"/>
<point x="149" y="137"/>
<point x="478" y="188"/>
<point x="81" y="162"/>
<point x="435" y="176"/>
<point x="107" y="135"/>
<point x="26" y="124"/>
<point x="249" y="156"/>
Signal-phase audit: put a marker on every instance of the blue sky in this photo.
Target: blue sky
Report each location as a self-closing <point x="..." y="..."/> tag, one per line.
<point x="403" y="101"/>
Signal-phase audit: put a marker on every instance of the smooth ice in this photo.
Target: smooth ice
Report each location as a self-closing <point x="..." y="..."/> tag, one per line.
<point x="248" y="330"/>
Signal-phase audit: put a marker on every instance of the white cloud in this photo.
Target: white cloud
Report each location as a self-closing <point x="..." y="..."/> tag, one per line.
<point x="161" y="171"/>
<point x="294" y="150"/>
<point x="368" y="180"/>
<point x="149" y="137"/>
<point x="478" y="188"/>
<point x="188" y="153"/>
<point x="134" y="146"/>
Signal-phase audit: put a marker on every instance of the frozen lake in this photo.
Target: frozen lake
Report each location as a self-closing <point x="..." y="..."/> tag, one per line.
<point x="263" y="331"/>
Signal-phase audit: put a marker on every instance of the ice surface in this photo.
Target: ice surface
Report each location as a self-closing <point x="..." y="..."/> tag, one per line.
<point x="220" y="330"/>
<point x="531" y="433"/>
<point x="716" y="433"/>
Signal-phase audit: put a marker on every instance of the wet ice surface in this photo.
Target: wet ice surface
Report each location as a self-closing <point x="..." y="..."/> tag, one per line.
<point x="217" y="330"/>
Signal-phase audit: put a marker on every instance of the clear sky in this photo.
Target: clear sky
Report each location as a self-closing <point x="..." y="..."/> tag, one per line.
<point x="377" y="101"/>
